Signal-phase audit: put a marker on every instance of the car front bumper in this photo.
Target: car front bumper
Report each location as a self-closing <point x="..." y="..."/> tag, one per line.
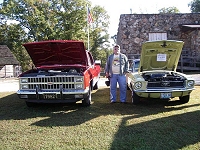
<point x="158" y="93"/>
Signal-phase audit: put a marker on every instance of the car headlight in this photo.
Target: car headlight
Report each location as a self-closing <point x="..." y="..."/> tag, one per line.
<point x="80" y="79"/>
<point x="24" y="80"/>
<point x="137" y="85"/>
<point x="190" y="83"/>
<point x="79" y="86"/>
<point x="24" y="86"/>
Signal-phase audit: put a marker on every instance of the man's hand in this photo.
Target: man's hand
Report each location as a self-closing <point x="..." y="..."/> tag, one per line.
<point x="107" y="74"/>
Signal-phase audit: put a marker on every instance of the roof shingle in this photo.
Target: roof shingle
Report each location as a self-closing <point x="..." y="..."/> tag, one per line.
<point x="6" y="56"/>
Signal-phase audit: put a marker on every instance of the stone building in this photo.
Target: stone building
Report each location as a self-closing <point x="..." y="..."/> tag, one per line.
<point x="134" y="29"/>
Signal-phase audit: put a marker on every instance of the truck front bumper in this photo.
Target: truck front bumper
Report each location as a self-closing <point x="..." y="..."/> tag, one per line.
<point x="52" y="96"/>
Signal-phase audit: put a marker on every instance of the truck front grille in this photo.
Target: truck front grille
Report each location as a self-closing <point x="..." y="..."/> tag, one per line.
<point x="51" y="83"/>
<point x="51" y="79"/>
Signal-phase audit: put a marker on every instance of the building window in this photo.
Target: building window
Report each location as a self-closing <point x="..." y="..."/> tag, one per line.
<point x="157" y="36"/>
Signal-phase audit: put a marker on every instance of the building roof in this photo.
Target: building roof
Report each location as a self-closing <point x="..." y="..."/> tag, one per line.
<point x="190" y="27"/>
<point x="6" y="56"/>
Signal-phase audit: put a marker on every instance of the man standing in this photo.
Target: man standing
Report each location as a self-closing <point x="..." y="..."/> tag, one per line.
<point x="116" y="67"/>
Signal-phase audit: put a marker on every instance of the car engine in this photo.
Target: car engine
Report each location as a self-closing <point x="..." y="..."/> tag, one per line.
<point x="163" y="80"/>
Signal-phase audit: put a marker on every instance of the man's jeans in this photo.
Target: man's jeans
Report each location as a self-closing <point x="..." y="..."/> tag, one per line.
<point x="121" y="80"/>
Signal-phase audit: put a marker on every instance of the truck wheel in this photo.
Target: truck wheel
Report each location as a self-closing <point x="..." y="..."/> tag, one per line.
<point x="87" y="101"/>
<point x="184" y="99"/>
<point x="96" y="86"/>
<point x="30" y="104"/>
<point x="135" y="98"/>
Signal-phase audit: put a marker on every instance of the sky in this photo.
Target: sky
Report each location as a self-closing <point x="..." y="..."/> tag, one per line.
<point x="116" y="7"/>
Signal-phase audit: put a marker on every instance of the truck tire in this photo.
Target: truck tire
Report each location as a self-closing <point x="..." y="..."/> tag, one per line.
<point x="87" y="101"/>
<point x="30" y="104"/>
<point x="96" y="86"/>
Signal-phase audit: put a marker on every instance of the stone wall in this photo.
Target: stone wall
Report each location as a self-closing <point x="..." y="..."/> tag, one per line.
<point x="134" y="29"/>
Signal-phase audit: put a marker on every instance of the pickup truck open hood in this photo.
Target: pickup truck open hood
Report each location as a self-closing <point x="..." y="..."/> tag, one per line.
<point x="57" y="52"/>
<point x="160" y="55"/>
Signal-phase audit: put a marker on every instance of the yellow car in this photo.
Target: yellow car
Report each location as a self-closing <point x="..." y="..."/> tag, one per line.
<point x="157" y="76"/>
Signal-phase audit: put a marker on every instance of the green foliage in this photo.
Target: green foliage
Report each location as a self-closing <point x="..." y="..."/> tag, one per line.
<point x="53" y="19"/>
<point x="14" y="36"/>
<point x="46" y="20"/>
<point x="98" y="35"/>
<point x="194" y="6"/>
<point x="168" y="10"/>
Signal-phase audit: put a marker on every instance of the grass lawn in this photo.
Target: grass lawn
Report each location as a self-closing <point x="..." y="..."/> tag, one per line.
<point x="152" y="125"/>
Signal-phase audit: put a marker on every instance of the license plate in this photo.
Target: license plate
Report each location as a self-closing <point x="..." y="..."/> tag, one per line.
<point x="165" y="95"/>
<point x="49" y="96"/>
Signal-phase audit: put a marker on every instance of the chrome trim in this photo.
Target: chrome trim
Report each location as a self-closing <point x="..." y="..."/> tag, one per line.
<point x="51" y="82"/>
<point x="64" y="92"/>
<point x="164" y="90"/>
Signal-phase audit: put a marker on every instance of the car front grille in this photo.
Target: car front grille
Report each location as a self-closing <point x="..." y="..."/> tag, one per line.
<point x="165" y="84"/>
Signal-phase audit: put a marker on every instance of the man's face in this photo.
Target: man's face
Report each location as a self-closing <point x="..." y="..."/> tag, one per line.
<point x="116" y="50"/>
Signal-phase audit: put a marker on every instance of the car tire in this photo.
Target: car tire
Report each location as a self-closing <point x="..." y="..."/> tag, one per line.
<point x="87" y="101"/>
<point x="135" y="98"/>
<point x="185" y="99"/>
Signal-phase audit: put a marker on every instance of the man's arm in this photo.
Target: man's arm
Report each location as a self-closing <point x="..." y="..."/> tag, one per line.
<point x="107" y="68"/>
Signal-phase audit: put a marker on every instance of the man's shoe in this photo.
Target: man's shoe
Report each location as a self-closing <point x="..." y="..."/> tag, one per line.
<point x="113" y="102"/>
<point x="123" y="102"/>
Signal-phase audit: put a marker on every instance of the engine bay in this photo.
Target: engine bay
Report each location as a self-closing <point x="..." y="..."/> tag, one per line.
<point x="54" y="72"/>
<point x="165" y="76"/>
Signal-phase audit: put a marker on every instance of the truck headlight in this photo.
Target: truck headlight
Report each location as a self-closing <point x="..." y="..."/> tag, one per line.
<point x="137" y="85"/>
<point x="24" y="80"/>
<point x="79" y="86"/>
<point x="79" y="79"/>
<point x="190" y="83"/>
<point x="24" y="86"/>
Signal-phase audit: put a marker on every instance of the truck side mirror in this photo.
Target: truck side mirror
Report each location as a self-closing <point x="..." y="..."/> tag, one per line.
<point x="97" y="62"/>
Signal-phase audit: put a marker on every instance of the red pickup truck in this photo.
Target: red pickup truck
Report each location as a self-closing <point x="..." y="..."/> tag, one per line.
<point x="64" y="72"/>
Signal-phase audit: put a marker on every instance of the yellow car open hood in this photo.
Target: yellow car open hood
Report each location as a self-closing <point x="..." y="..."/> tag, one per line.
<point x="160" y="55"/>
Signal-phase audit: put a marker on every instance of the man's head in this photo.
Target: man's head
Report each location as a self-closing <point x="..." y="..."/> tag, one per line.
<point x="116" y="49"/>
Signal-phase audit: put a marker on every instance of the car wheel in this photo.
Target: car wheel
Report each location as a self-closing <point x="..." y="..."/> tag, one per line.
<point x="96" y="86"/>
<point x="135" y="98"/>
<point x="184" y="99"/>
<point x="87" y="101"/>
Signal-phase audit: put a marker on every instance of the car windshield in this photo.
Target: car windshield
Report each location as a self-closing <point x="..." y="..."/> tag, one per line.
<point x="136" y="66"/>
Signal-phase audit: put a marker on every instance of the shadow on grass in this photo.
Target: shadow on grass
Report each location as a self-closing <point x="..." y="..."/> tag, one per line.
<point x="172" y="132"/>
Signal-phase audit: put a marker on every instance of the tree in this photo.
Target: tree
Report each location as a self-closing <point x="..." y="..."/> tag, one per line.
<point x="169" y="10"/>
<point x="194" y="6"/>
<point x="56" y="19"/>
<point x="45" y="20"/>
<point x="14" y="36"/>
<point x="98" y="34"/>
